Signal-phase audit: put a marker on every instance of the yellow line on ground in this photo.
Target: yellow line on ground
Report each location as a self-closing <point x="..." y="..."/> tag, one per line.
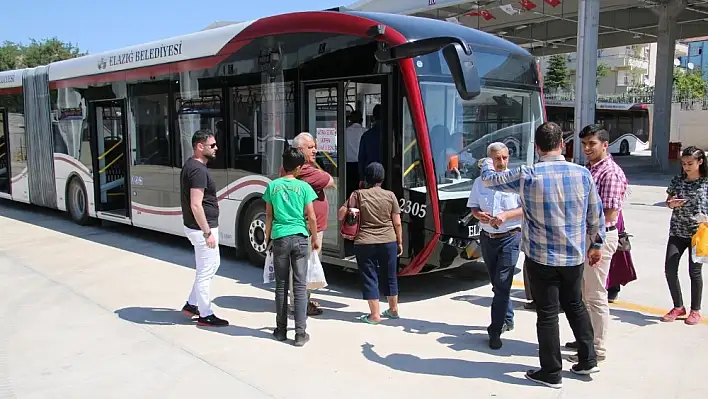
<point x="626" y="305"/>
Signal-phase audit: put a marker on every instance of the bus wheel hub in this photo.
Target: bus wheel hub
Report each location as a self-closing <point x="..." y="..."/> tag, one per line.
<point x="256" y="234"/>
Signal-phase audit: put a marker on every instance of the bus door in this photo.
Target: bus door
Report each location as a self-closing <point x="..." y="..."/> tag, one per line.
<point x="327" y="110"/>
<point x="323" y="117"/>
<point x="5" y="155"/>
<point x="109" y="137"/>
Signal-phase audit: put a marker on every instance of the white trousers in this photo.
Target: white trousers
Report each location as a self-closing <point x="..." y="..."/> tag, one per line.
<point x="207" y="263"/>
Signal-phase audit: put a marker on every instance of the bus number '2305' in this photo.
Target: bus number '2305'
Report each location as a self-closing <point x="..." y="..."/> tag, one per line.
<point x="413" y="208"/>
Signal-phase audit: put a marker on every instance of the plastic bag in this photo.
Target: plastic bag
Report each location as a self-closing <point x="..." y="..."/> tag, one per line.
<point x="315" y="273"/>
<point x="699" y="244"/>
<point x="269" y="268"/>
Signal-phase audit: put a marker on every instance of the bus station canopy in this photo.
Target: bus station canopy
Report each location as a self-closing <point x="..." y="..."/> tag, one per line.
<point x="546" y="27"/>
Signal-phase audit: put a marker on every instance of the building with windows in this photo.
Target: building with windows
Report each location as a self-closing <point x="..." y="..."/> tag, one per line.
<point x="697" y="57"/>
<point x="625" y="67"/>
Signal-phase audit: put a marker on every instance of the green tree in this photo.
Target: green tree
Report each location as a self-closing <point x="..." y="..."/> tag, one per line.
<point x="10" y="53"/>
<point x="689" y="83"/>
<point x="36" y="53"/>
<point x="602" y="71"/>
<point x="557" y="75"/>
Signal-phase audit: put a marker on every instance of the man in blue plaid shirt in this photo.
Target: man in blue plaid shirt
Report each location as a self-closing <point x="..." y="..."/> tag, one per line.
<point x="562" y="217"/>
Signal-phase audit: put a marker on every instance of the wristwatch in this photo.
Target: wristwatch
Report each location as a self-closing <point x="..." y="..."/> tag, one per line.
<point x="207" y="235"/>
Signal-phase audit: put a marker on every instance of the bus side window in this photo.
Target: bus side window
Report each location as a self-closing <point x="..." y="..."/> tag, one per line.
<point x="148" y="107"/>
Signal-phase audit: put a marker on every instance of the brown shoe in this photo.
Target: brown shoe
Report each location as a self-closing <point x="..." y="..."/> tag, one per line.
<point x="313" y="310"/>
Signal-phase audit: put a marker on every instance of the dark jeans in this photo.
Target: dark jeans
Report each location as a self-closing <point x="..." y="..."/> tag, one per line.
<point x="551" y="287"/>
<point x="500" y="255"/>
<point x="373" y="259"/>
<point x="674" y="250"/>
<point x="291" y="252"/>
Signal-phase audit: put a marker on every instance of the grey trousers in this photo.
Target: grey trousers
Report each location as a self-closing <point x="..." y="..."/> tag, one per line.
<point x="290" y="255"/>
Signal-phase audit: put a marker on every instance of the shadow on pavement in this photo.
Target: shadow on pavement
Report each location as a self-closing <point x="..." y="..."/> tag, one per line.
<point x="448" y="367"/>
<point x="163" y="316"/>
<point x="177" y="250"/>
<point x="634" y="318"/>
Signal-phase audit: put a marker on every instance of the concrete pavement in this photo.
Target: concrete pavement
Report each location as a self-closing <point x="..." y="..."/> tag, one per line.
<point x="93" y="312"/>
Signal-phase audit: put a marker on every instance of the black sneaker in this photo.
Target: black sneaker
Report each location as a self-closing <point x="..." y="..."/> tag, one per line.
<point x="301" y="339"/>
<point x="540" y="378"/>
<point x="280" y="334"/>
<point x="495" y="342"/>
<point x="190" y="310"/>
<point x="212" y="321"/>
<point x="571" y="345"/>
<point x="584" y="369"/>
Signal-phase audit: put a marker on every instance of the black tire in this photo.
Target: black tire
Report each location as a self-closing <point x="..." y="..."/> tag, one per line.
<point x="624" y="147"/>
<point x="77" y="202"/>
<point x="253" y="229"/>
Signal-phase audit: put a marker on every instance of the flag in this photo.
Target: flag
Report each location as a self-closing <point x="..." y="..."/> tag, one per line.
<point x="552" y="3"/>
<point x="484" y="14"/>
<point x="527" y="5"/>
<point x="509" y="9"/>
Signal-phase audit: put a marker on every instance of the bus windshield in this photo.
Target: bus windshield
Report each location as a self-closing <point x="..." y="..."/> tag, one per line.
<point x="508" y="110"/>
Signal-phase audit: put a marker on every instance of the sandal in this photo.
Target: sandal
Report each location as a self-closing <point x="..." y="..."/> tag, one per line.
<point x="365" y="318"/>
<point x="387" y="313"/>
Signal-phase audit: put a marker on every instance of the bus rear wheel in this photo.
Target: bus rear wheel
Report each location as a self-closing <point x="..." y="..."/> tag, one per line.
<point x="624" y="147"/>
<point x="77" y="202"/>
<point x="253" y="228"/>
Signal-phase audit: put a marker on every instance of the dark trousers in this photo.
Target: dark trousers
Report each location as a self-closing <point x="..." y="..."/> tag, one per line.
<point x="551" y="287"/>
<point x="674" y="250"/>
<point x="375" y="259"/>
<point x="500" y="255"/>
<point x="291" y="253"/>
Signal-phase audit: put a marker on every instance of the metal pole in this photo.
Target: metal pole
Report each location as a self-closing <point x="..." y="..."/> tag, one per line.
<point x="586" y="72"/>
<point x="663" y="89"/>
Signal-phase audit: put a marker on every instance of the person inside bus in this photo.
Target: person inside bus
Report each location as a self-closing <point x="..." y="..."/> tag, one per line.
<point x="378" y="243"/>
<point x="319" y="180"/>
<point x="353" y="137"/>
<point x="370" y="143"/>
<point x="289" y="211"/>
<point x="499" y="216"/>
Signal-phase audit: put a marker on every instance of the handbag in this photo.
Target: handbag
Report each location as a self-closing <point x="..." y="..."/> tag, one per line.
<point x="623" y="244"/>
<point x="350" y="224"/>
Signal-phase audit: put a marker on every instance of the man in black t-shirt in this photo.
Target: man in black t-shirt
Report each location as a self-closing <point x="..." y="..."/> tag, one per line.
<point x="200" y="214"/>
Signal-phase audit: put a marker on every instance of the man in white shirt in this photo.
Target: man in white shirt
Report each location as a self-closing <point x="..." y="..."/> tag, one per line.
<point x="353" y="136"/>
<point x="499" y="216"/>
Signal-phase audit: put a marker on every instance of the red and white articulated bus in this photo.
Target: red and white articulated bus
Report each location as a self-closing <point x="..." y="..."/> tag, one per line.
<point x="103" y="137"/>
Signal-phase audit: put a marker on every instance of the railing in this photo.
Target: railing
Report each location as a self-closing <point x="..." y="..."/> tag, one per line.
<point x="687" y="99"/>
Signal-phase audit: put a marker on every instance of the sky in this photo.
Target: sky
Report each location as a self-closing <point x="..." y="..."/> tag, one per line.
<point x="97" y="26"/>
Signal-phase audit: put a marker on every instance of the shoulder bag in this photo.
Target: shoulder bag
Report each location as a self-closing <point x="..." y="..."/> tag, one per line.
<point x="350" y="224"/>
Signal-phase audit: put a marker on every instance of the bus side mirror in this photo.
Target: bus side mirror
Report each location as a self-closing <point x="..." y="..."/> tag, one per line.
<point x="464" y="71"/>
<point x="456" y="51"/>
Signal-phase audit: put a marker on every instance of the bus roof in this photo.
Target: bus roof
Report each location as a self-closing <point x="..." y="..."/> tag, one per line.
<point x="215" y="41"/>
<point x="416" y="28"/>
<point x="200" y="44"/>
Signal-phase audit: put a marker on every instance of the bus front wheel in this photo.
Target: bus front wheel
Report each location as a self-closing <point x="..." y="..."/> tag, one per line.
<point x="77" y="202"/>
<point x="254" y="232"/>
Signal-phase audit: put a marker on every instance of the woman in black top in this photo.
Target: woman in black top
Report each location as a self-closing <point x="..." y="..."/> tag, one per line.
<point x="688" y="197"/>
